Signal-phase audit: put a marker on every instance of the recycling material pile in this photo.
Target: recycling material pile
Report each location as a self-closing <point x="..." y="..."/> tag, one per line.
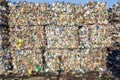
<point x="114" y="13"/>
<point x="60" y="36"/>
<point x="5" y="58"/>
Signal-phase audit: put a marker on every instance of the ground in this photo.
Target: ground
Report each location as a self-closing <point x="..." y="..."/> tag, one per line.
<point x="93" y="75"/>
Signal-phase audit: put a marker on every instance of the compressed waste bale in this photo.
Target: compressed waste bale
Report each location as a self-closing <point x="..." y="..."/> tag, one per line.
<point x="23" y="37"/>
<point x="62" y="7"/>
<point x="4" y="12"/>
<point x="25" y="60"/>
<point x="94" y="36"/>
<point x="5" y="61"/>
<point x="61" y="37"/>
<point x="67" y="61"/>
<point x="63" y="13"/>
<point x="98" y="36"/>
<point x="30" y="14"/>
<point x="114" y="13"/>
<point x="95" y="13"/>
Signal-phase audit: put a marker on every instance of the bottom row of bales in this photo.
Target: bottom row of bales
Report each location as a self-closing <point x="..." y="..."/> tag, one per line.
<point x="77" y="60"/>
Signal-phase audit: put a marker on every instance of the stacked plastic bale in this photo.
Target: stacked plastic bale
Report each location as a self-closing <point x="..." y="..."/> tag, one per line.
<point x="26" y="37"/>
<point x="61" y="36"/>
<point x="95" y="13"/>
<point x="6" y="57"/>
<point x="64" y="32"/>
<point x="62" y="59"/>
<point x="25" y="13"/>
<point x="67" y="14"/>
<point x="4" y="27"/>
<point x="25" y="61"/>
<point x="114" y="19"/>
<point x="114" y="13"/>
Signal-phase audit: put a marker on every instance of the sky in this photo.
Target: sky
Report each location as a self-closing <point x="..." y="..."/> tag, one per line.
<point x="109" y="2"/>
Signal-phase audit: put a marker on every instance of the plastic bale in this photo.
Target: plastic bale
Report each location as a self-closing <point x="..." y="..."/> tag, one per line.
<point x="33" y="59"/>
<point x="25" y="60"/>
<point x="98" y="35"/>
<point x="114" y="13"/>
<point x="94" y="11"/>
<point x="30" y="36"/>
<point x="56" y="35"/>
<point x="61" y="59"/>
<point x="4" y="25"/>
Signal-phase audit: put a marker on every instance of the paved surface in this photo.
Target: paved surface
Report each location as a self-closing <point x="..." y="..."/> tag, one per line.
<point x="85" y="76"/>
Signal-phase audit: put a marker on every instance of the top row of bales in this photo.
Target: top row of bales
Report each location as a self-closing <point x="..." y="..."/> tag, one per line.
<point x="59" y="13"/>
